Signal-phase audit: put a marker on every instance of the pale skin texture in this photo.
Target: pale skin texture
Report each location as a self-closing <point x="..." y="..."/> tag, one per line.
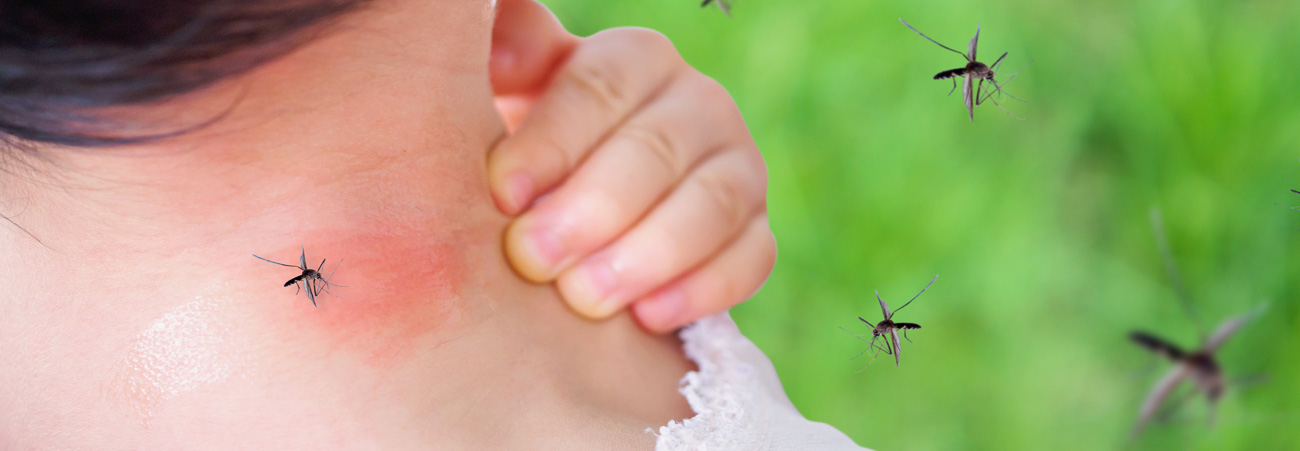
<point x="143" y="322"/>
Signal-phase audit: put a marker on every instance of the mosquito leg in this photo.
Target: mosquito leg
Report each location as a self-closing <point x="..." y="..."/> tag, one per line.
<point x="873" y="360"/>
<point x="963" y="55"/>
<point x="954" y="87"/>
<point x="1244" y="382"/>
<point x="872" y="343"/>
<point x="1004" y="110"/>
<point x="1000" y="91"/>
<point x="909" y="340"/>
<point x="873" y="326"/>
<point x="268" y="261"/>
<point x="331" y="277"/>
<point x="873" y="356"/>
<point x="1173" y="406"/>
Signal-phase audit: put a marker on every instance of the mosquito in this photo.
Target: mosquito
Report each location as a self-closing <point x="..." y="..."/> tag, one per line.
<point x="889" y="329"/>
<point x="724" y="5"/>
<point x="312" y="280"/>
<point x="1200" y="364"/>
<point x="973" y="70"/>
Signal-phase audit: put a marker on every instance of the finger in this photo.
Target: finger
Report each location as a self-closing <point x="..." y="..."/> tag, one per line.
<point x="528" y="42"/>
<point x="603" y="81"/>
<point x="732" y="277"/>
<point x="632" y="170"/>
<point x="711" y="207"/>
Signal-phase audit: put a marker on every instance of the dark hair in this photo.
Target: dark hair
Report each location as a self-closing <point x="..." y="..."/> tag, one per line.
<point x="60" y="60"/>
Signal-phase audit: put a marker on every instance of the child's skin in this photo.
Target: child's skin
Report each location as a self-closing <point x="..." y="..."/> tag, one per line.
<point x="143" y="322"/>
<point x="661" y="197"/>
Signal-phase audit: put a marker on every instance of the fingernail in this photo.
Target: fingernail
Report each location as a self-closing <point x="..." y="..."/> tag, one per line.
<point x="663" y="310"/>
<point x="544" y="246"/>
<point x="519" y="188"/>
<point x="589" y="293"/>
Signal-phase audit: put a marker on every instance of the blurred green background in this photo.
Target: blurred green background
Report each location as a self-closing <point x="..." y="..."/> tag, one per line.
<point x="1039" y="228"/>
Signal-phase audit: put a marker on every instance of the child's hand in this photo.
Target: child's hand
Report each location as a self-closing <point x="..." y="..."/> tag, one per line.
<point x="657" y="193"/>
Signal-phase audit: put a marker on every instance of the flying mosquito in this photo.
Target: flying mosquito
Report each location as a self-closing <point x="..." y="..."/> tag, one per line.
<point x="312" y="280"/>
<point x="889" y="329"/>
<point x="724" y="5"/>
<point x="1200" y="364"/>
<point x="974" y="70"/>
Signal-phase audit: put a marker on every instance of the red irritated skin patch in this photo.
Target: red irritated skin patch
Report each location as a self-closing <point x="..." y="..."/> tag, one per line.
<point x="395" y="292"/>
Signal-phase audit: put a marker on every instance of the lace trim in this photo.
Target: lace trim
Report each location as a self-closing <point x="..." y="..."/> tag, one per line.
<point x="725" y="393"/>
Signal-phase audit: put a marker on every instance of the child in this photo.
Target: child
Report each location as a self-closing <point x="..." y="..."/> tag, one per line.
<point x="135" y="317"/>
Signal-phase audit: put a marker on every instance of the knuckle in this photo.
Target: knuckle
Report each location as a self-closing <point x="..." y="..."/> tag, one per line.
<point x="728" y="196"/>
<point x="711" y="91"/>
<point x="550" y="156"/>
<point x="658" y="143"/>
<point x="598" y="79"/>
<point x="647" y="39"/>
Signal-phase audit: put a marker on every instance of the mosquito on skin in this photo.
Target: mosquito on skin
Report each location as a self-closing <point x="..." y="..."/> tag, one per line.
<point x="973" y="70"/>
<point x="889" y="329"/>
<point x="312" y="281"/>
<point x="1200" y="364"/>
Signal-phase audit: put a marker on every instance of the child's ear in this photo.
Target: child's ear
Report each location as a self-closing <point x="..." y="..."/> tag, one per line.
<point x="528" y="44"/>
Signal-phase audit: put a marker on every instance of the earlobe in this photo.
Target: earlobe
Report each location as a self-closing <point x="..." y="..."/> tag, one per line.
<point x="528" y="44"/>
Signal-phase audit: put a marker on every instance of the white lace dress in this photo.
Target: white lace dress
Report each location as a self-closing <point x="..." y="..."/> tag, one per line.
<point x="738" y="400"/>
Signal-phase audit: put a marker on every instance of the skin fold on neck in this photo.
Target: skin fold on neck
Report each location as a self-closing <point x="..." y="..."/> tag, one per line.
<point x="142" y="320"/>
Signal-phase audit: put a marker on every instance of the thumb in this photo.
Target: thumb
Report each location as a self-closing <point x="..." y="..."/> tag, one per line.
<point x="528" y="43"/>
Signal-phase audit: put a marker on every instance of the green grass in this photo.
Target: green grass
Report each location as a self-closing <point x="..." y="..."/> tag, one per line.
<point x="1038" y="228"/>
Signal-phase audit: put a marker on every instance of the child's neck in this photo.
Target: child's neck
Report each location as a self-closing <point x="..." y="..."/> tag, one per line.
<point x="367" y="147"/>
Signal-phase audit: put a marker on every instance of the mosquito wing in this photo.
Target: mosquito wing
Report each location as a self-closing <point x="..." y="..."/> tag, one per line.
<point x="967" y="96"/>
<point x="309" y="286"/>
<point x="1158" y="394"/>
<point x="898" y="346"/>
<point x="302" y="259"/>
<point x="1224" y="332"/>
<point x="973" y="42"/>
<point x="884" y="308"/>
